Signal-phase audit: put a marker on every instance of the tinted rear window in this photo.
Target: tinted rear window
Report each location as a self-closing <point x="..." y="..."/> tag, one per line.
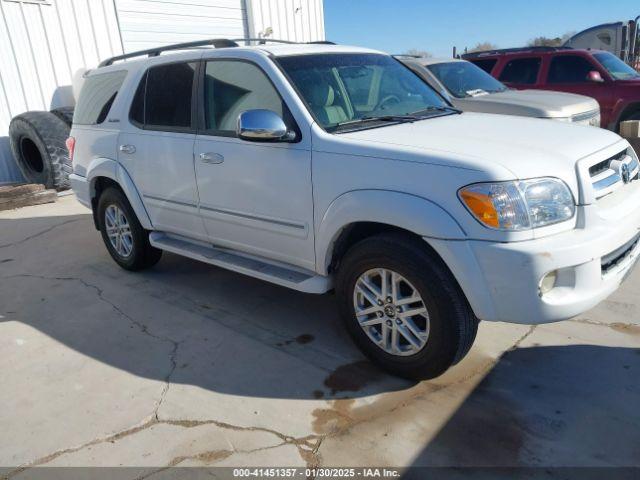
<point x="96" y="97"/>
<point x="167" y="97"/>
<point x="521" y="70"/>
<point x="487" y="64"/>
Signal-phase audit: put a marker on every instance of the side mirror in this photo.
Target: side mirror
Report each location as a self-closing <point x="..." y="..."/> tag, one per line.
<point x="263" y="126"/>
<point x="595" y="77"/>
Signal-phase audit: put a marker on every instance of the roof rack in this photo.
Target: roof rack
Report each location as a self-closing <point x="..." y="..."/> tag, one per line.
<point x="212" y="42"/>
<point x="513" y="50"/>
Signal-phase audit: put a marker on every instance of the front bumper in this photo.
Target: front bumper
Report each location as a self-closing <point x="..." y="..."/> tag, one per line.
<point x="501" y="280"/>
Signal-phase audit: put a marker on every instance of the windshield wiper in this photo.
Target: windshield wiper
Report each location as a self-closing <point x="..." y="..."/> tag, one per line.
<point x="433" y="108"/>
<point x="381" y="118"/>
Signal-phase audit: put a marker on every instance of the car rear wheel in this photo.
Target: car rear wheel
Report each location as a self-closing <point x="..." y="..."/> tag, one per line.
<point x="403" y="307"/>
<point x="126" y="240"/>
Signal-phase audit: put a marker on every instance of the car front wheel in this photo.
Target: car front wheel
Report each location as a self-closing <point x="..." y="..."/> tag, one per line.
<point x="403" y="307"/>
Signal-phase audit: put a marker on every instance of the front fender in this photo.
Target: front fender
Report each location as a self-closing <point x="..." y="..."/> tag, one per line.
<point x="105" y="167"/>
<point x="410" y="212"/>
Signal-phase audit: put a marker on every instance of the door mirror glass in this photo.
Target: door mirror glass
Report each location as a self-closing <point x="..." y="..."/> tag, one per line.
<point x="594" y="76"/>
<point x="263" y="126"/>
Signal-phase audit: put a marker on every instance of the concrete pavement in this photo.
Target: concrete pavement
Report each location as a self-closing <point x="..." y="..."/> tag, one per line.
<point x="187" y="364"/>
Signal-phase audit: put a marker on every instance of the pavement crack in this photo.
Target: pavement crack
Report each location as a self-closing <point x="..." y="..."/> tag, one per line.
<point x="139" y="325"/>
<point x="39" y="234"/>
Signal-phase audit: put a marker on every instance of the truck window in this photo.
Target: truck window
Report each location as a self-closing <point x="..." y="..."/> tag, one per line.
<point x="569" y="69"/>
<point x="486" y="64"/>
<point x="521" y="70"/>
<point x="96" y="97"/>
<point x="168" y="96"/>
<point x="232" y="87"/>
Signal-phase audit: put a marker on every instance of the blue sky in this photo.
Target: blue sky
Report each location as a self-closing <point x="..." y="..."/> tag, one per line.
<point x="436" y="26"/>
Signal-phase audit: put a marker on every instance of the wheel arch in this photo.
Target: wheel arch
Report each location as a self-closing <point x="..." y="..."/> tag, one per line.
<point x="358" y="214"/>
<point x="625" y="112"/>
<point x="103" y="173"/>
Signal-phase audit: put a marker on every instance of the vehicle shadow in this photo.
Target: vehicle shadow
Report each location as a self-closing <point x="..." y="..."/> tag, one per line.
<point x="199" y="324"/>
<point x="545" y="406"/>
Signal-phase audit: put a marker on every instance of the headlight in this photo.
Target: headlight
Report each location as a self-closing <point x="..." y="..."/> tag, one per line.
<point x="519" y="205"/>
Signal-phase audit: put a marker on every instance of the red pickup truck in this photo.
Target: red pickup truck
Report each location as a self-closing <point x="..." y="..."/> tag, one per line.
<point x="595" y="73"/>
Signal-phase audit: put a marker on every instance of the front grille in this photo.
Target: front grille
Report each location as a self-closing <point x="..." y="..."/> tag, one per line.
<point x="611" y="260"/>
<point x="612" y="173"/>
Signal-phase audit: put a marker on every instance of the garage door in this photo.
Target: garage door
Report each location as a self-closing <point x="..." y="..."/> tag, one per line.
<point x="149" y="23"/>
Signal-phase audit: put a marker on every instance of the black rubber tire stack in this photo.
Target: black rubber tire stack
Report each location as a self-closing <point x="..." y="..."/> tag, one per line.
<point x="38" y="145"/>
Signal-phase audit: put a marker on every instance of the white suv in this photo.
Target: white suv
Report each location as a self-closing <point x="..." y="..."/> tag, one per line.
<point x="323" y="167"/>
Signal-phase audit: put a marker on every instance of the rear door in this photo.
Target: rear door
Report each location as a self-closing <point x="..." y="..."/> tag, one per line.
<point x="156" y="148"/>
<point x="521" y="72"/>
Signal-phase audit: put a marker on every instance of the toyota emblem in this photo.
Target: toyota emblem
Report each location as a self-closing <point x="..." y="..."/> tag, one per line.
<point x="624" y="173"/>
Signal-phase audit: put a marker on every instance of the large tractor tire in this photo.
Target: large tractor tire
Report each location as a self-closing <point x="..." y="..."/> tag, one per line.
<point x="65" y="114"/>
<point x="38" y="145"/>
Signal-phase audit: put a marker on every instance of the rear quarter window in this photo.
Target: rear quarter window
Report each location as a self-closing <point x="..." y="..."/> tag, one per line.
<point x="96" y="97"/>
<point x="521" y="70"/>
<point x="486" y="64"/>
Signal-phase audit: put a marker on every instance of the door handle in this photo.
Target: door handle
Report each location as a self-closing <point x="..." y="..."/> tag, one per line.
<point x="211" y="157"/>
<point x="127" y="149"/>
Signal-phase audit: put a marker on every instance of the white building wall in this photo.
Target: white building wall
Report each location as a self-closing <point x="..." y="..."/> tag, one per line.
<point x="150" y="23"/>
<point x="294" y="20"/>
<point x="42" y="45"/>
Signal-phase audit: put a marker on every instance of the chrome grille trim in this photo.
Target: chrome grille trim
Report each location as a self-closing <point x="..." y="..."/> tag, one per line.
<point x="607" y="175"/>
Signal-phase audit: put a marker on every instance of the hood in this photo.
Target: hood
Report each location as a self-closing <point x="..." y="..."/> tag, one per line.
<point x="530" y="103"/>
<point x="525" y="147"/>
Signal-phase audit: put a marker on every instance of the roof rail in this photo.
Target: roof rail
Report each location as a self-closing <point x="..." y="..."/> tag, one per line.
<point x="513" y="50"/>
<point x="212" y="42"/>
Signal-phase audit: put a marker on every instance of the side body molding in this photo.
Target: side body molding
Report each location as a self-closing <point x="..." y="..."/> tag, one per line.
<point x="410" y="212"/>
<point x="105" y="167"/>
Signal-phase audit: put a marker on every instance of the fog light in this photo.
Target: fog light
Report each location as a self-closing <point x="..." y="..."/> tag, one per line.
<point x="548" y="282"/>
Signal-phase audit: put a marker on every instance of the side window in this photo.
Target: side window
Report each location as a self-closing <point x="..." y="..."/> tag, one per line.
<point x="569" y="69"/>
<point x="521" y="70"/>
<point x="487" y="64"/>
<point x="97" y="96"/>
<point x="167" y="101"/>
<point x="233" y="87"/>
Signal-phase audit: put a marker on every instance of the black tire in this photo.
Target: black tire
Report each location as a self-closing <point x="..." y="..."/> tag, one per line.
<point x="65" y="114"/>
<point x="143" y="254"/>
<point x="38" y="145"/>
<point x="453" y="326"/>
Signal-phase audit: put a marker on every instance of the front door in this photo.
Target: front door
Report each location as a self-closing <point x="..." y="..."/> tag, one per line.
<point x="254" y="197"/>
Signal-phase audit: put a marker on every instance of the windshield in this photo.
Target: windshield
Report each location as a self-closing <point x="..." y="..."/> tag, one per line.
<point x="464" y="79"/>
<point x="351" y="90"/>
<point x="616" y="67"/>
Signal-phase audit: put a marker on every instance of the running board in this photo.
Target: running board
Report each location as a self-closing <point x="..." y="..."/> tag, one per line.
<point x="224" y="258"/>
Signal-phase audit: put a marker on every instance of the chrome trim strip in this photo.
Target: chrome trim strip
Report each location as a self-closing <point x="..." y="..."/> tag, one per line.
<point x="160" y="199"/>
<point x="607" y="182"/>
<point x="255" y="217"/>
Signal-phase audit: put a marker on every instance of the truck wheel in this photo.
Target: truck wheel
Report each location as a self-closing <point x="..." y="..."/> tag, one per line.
<point x="403" y="307"/>
<point x="65" y="114"/>
<point x="126" y="240"/>
<point x="38" y="145"/>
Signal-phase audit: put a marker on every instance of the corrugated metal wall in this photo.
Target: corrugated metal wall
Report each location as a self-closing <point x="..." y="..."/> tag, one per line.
<point x="148" y="23"/>
<point x="42" y="44"/>
<point x="295" y="20"/>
